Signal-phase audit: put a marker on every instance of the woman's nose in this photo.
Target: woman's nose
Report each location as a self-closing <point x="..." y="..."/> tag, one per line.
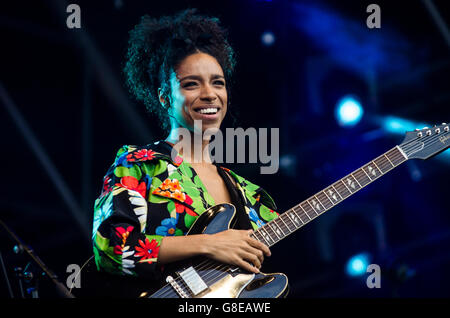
<point x="207" y="93"/>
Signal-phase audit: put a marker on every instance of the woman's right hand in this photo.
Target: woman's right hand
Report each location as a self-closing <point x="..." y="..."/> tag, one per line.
<point x="236" y="247"/>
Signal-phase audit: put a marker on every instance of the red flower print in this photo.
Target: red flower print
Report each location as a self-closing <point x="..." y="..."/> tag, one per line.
<point x="118" y="250"/>
<point x="178" y="160"/>
<point x="180" y="208"/>
<point x="106" y="186"/>
<point x="132" y="183"/>
<point x="147" y="250"/>
<point x="123" y="234"/>
<point x="178" y="195"/>
<point x="166" y="184"/>
<point x="188" y="200"/>
<point x="141" y="155"/>
<point x="173" y="186"/>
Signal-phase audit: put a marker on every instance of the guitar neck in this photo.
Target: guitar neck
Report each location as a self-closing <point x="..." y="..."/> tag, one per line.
<point x="303" y="213"/>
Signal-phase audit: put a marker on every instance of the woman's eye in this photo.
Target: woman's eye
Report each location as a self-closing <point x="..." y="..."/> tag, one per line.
<point x="219" y="82"/>
<point x="189" y="84"/>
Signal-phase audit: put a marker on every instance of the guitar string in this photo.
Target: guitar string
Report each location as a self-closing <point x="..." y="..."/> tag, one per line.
<point x="178" y="279"/>
<point x="207" y="278"/>
<point x="406" y="148"/>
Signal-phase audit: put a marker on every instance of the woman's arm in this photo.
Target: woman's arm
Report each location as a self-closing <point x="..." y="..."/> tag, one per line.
<point x="234" y="247"/>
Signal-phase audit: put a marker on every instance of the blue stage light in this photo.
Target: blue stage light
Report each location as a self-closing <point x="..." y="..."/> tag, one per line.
<point x="268" y="38"/>
<point x="348" y="111"/>
<point x="357" y="264"/>
<point x="399" y="125"/>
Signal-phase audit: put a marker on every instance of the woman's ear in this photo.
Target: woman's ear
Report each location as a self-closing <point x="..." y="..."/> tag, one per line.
<point x="162" y="99"/>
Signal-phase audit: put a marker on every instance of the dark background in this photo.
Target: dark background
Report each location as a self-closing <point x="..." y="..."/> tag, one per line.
<point x="67" y="111"/>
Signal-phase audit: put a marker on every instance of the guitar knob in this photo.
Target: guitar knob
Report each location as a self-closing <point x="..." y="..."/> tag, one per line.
<point x="428" y="132"/>
<point x="446" y="128"/>
<point x="419" y="134"/>
<point x="437" y="131"/>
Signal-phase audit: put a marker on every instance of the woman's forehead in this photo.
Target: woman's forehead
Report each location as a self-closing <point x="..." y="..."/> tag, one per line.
<point x="199" y="64"/>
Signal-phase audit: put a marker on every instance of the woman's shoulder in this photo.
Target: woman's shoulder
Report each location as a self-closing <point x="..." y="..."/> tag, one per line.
<point x="252" y="190"/>
<point x="149" y="153"/>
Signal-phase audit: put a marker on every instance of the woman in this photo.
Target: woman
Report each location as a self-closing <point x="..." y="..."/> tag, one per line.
<point x="180" y="67"/>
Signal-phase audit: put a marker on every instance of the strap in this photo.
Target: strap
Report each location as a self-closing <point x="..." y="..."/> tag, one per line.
<point x="242" y="219"/>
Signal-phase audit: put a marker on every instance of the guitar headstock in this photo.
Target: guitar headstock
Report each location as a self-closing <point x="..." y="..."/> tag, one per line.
<point x="426" y="142"/>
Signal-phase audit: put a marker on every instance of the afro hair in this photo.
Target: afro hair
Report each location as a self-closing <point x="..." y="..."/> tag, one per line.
<point x="157" y="46"/>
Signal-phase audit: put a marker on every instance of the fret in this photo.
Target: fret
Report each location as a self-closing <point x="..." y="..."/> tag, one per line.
<point x="377" y="166"/>
<point x="320" y="202"/>
<point x="306" y="208"/>
<point x="317" y="205"/>
<point x="261" y="237"/>
<point x="277" y="230"/>
<point x="266" y="235"/>
<point x="346" y="188"/>
<point x="294" y="218"/>
<point x="362" y="177"/>
<point x="356" y="180"/>
<point x="350" y="183"/>
<point x="382" y="164"/>
<point x="281" y="217"/>
<point x="304" y="217"/>
<point x="372" y="171"/>
<point x="401" y="154"/>
<point x="322" y="196"/>
<point x="389" y="161"/>
<point x="270" y="229"/>
<point x="270" y="225"/>
<point x="395" y="156"/>
<point x="337" y="192"/>
<point x="330" y="199"/>
<point x="312" y="208"/>
<point x="366" y="174"/>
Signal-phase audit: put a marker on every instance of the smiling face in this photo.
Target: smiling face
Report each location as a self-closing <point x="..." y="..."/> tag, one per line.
<point x="198" y="93"/>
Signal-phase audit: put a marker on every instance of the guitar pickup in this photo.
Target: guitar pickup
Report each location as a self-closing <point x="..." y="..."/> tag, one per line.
<point x="193" y="280"/>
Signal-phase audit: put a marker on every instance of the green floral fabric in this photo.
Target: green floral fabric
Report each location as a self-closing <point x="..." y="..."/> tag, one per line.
<point x="147" y="195"/>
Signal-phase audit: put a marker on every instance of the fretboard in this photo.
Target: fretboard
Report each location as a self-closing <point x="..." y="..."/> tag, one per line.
<point x="303" y="213"/>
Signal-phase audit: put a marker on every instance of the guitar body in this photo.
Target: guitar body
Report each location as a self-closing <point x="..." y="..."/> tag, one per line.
<point x="223" y="281"/>
<point x="229" y="282"/>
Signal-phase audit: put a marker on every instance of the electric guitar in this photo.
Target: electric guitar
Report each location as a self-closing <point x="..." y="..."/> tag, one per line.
<point x="205" y="278"/>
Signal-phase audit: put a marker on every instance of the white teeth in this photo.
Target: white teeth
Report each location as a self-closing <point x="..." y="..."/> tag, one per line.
<point x="208" y="111"/>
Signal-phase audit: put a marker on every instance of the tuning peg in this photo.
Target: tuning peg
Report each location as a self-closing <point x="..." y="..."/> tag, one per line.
<point x="446" y="128"/>
<point x="428" y="132"/>
<point x="419" y="134"/>
<point x="437" y="130"/>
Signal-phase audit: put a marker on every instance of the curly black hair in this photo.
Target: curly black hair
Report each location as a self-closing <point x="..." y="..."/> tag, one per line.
<point x="157" y="46"/>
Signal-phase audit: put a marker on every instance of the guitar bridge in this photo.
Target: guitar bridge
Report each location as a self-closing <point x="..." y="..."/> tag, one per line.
<point x="193" y="280"/>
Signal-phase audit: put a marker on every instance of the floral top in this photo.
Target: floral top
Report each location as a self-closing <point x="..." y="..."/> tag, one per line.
<point x="148" y="195"/>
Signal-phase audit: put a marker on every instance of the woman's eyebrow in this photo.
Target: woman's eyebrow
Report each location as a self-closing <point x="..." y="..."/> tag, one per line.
<point x="199" y="78"/>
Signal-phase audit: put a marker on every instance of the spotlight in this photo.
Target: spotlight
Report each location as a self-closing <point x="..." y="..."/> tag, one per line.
<point x="399" y="125"/>
<point x="348" y="111"/>
<point x="357" y="264"/>
<point x="268" y="38"/>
